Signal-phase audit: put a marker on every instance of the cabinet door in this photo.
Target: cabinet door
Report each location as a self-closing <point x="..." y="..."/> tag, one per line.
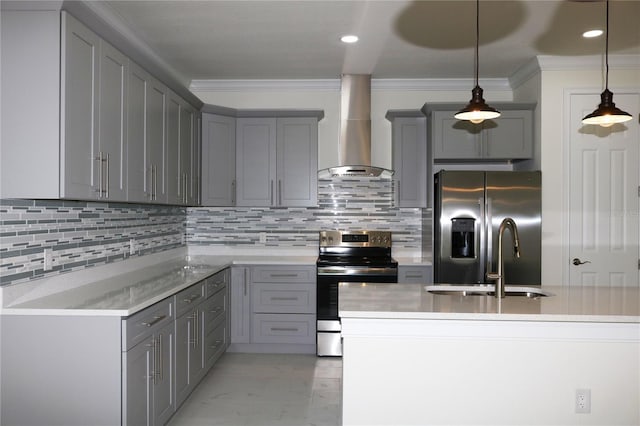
<point x="156" y="141"/>
<point x="163" y="397"/>
<point x="510" y="136"/>
<point x="80" y="159"/>
<point x="297" y="162"/>
<point x="240" y="306"/>
<point x="173" y="149"/>
<point x="113" y="121"/>
<point x="184" y="341"/>
<point x="185" y="155"/>
<point x="255" y="161"/>
<point x="137" y="179"/>
<point x="195" y="181"/>
<point x="409" y="148"/>
<point x="455" y="139"/>
<point x="138" y="378"/>
<point x="218" y="160"/>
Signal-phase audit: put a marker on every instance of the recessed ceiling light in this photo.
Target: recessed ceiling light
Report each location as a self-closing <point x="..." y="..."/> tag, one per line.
<point x="350" y="38"/>
<point x="592" y="33"/>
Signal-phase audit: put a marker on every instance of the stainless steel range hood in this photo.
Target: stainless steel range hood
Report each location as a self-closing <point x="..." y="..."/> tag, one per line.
<point x="355" y="130"/>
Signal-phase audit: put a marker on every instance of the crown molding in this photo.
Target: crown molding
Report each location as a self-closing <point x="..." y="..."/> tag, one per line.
<point x="497" y="84"/>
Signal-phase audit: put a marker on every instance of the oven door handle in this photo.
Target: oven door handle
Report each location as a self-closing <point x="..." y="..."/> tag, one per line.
<point x="341" y="270"/>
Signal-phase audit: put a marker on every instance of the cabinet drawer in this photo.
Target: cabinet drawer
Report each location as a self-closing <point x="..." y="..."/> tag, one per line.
<point x="215" y="283"/>
<point x="189" y="297"/>
<point x="284" y="298"/>
<point x="215" y="344"/>
<point x="283" y="274"/>
<point x="214" y="310"/>
<point x="139" y="326"/>
<point x="284" y="328"/>
<point x="415" y="274"/>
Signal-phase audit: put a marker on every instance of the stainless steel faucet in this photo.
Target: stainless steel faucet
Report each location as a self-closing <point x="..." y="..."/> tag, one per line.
<point x="499" y="277"/>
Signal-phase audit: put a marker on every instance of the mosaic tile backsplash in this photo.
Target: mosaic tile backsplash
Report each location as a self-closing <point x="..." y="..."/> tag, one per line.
<point x="85" y="234"/>
<point x="343" y="203"/>
<point x="80" y="234"/>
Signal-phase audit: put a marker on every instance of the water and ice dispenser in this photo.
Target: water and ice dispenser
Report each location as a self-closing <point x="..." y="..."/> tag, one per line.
<point x="463" y="241"/>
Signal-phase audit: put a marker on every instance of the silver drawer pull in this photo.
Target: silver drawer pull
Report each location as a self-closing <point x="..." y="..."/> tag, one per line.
<point x="191" y="299"/>
<point x="283" y="329"/>
<point x="284" y="298"/>
<point x="156" y="320"/>
<point x="283" y="275"/>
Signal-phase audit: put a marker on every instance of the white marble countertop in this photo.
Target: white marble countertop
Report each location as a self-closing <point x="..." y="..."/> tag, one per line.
<point x="412" y="301"/>
<point x="124" y="288"/>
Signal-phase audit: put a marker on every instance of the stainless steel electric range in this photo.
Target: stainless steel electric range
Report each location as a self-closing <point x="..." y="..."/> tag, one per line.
<point x="353" y="256"/>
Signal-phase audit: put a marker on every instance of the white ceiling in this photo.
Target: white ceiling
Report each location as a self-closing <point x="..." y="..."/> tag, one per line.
<point x="398" y="39"/>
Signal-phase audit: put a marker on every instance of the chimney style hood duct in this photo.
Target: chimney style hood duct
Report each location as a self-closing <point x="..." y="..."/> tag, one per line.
<point x="355" y="130"/>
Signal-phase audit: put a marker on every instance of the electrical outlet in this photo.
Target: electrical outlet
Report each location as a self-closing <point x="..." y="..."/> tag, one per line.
<point x="583" y="401"/>
<point x="132" y="247"/>
<point x="48" y="259"/>
<point x="263" y="237"/>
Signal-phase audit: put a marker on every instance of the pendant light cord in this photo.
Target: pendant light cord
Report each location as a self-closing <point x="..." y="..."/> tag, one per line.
<point x="478" y="37"/>
<point x="606" y="51"/>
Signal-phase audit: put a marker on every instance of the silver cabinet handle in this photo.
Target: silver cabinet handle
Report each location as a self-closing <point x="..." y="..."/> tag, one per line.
<point x="283" y="275"/>
<point x="100" y="160"/>
<point x="283" y="329"/>
<point x="155" y="320"/>
<point x="245" y="281"/>
<point x="283" y="298"/>
<point x="279" y="191"/>
<point x="160" y="369"/>
<point x="233" y="192"/>
<point x="107" y="179"/>
<point x="191" y="299"/>
<point x="149" y="187"/>
<point x="154" y="182"/>
<point x="271" y="192"/>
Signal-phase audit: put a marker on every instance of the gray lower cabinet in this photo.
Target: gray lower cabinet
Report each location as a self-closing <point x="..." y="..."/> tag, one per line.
<point x="201" y="312"/>
<point x="148" y="394"/>
<point x="110" y="370"/>
<point x="418" y="274"/>
<point x="273" y="309"/>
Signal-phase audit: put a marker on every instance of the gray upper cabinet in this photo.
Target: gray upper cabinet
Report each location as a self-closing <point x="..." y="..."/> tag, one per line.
<point x="297" y="161"/>
<point x="146" y="128"/>
<point x="82" y="162"/>
<point x="104" y="123"/>
<point x="410" y="162"/>
<point x="509" y="137"/>
<point x="218" y="160"/>
<point x="276" y="161"/>
<point x="255" y="161"/>
<point x="112" y="136"/>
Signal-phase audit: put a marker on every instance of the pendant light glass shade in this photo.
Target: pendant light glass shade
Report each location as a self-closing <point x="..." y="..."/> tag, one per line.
<point x="607" y="114"/>
<point x="477" y="109"/>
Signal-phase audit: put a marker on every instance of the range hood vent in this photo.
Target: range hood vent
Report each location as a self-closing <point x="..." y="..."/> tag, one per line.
<point x="355" y="130"/>
<point x="361" y="171"/>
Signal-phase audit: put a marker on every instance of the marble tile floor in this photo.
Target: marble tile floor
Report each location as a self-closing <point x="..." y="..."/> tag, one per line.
<point x="266" y="390"/>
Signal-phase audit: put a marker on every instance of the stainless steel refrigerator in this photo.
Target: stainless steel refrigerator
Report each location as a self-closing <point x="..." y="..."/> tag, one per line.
<point x="468" y="209"/>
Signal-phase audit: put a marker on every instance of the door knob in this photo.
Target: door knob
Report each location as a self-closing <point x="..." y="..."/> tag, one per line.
<point x="578" y="262"/>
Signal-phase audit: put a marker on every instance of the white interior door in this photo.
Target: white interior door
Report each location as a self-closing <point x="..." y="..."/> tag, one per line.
<point x="603" y="197"/>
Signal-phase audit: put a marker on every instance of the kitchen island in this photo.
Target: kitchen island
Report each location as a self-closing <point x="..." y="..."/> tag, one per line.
<point x="411" y="357"/>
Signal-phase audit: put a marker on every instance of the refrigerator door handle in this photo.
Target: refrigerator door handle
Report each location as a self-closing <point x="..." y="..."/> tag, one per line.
<point x="482" y="261"/>
<point x="489" y="236"/>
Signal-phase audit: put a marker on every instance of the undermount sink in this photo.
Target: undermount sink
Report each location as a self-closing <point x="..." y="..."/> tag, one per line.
<point x="485" y="290"/>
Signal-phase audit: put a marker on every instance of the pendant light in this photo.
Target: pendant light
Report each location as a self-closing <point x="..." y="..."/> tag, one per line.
<point x="607" y="114"/>
<point x="477" y="110"/>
